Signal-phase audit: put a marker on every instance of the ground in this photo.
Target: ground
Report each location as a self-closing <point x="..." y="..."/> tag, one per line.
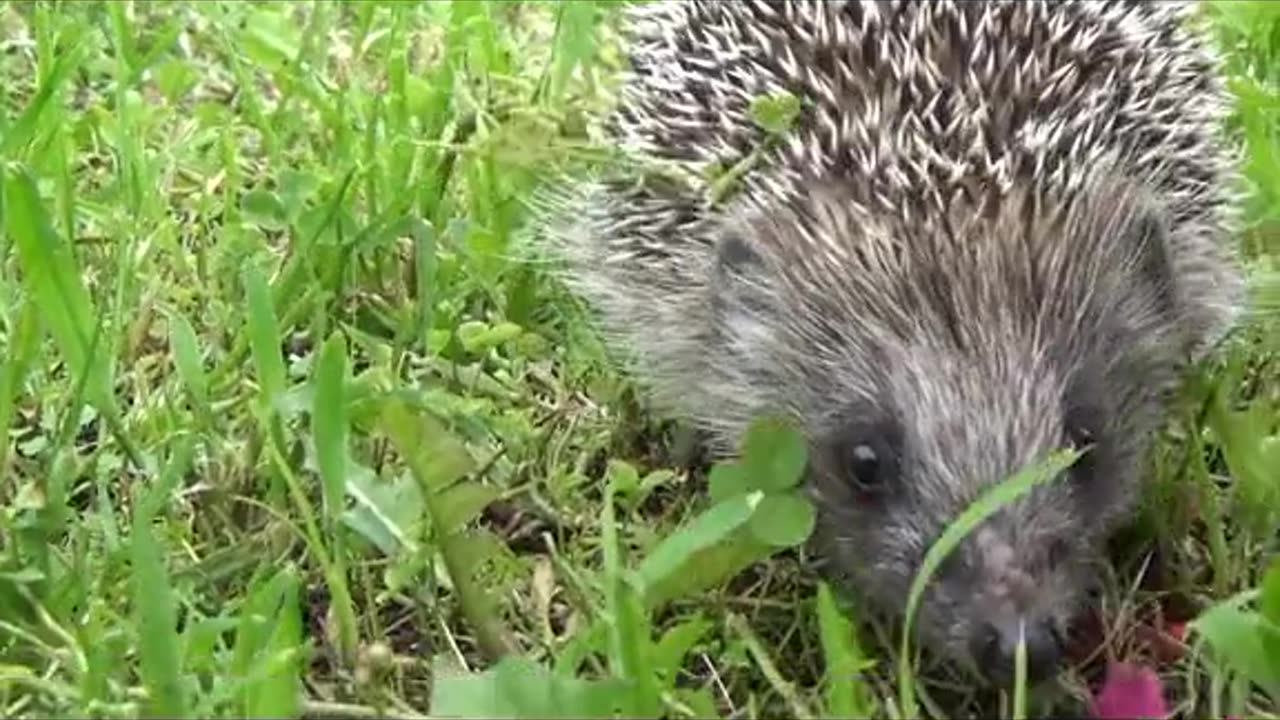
<point x="293" y="427"/>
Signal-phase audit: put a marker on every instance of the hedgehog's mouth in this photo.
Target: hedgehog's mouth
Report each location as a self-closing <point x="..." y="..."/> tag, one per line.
<point x="993" y="647"/>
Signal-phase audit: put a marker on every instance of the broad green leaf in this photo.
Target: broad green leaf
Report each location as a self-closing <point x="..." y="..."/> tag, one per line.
<point x="775" y="113"/>
<point x="633" y="641"/>
<point x="255" y="619"/>
<point x="1255" y="484"/>
<point x="296" y="188"/>
<point x="773" y="455"/>
<point x="726" y="479"/>
<point x="437" y="457"/>
<point x="1236" y="635"/>
<point x="624" y="479"/>
<point x="717" y="524"/>
<point x="264" y="208"/>
<point x="461" y="503"/>
<point x="438" y="460"/>
<point x="707" y="568"/>
<point x="475" y="547"/>
<point x="175" y="78"/>
<point x="783" y="520"/>
<point x="384" y="513"/>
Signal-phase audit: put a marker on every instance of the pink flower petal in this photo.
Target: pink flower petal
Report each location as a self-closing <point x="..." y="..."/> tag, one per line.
<point x="1130" y="691"/>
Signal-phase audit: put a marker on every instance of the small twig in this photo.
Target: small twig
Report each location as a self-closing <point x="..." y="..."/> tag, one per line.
<point x="715" y="678"/>
<point x="453" y="645"/>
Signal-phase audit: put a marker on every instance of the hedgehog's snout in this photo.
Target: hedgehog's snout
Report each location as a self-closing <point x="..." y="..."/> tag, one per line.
<point x="994" y="647"/>
<point x="1012" y="601"/>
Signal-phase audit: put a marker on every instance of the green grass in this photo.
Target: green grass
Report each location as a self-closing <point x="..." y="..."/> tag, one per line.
<point x="291" y="430"/>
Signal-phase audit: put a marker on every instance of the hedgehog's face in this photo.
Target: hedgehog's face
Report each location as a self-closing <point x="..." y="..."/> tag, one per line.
<point x="897" y="466"/>
<point x="894" y="475"/>
<point x="930" y="366"/>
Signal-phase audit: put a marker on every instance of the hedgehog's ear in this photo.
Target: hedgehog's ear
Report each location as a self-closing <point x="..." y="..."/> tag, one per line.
<point x="738" y="264"/>
<point x="740" y="287"/>
<point x="735" y="258"/>
<point x="739" y="282"/>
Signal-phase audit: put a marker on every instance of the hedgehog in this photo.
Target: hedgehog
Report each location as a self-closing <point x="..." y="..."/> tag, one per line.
<point x="991" y="231"/>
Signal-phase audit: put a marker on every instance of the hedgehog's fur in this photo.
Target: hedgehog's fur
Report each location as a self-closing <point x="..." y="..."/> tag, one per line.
<point x="994" y="229"/>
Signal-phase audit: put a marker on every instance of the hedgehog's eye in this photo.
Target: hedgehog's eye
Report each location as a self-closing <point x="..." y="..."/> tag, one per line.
<point x="864" y="453"/>
<point x="864" y="466"/>
<point x="1079" y="437"/>
<point x="1081" y="419"/>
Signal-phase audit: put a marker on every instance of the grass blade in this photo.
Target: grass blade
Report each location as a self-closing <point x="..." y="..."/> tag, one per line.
<point x="845" y="696"/>
<point x="630" y="637"/>
<point x="186" y="359"/>
<point x="1020" y="677"/>
<point x="707" y="530"/>
<point x="264" y="336"/>
<point x="155" y="618"/>
<point x="24" y="342"/>
<point x="23" y="130"/>
<point x="329" y="424"/>
<point x="424" y="255"/>
<point x="54" y="278"/>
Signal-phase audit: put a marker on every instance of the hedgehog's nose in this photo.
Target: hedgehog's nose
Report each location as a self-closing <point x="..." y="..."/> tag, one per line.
<point x="995" y="648"/>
